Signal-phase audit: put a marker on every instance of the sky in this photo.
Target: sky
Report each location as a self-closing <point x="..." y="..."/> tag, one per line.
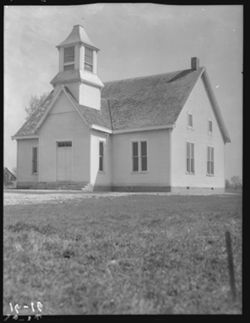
<point x="134" y="40"/>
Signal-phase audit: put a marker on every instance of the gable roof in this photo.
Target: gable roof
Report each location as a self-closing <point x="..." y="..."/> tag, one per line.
<point x="29" y="127"/>
<point x="149" y="101"/>
<point x="8" y="172"/>
<point x="138" y="103"/>
<point x="215" y="107"/>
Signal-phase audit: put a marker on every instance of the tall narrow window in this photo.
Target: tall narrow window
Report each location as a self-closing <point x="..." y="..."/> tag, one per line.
<point x="34" y="160"/>
<point x="101" y="155"/>
<point x="190" y="120"/>
<point x="139" y="156"/>
<point x="143" y="155"/>
<point x="88" y="59"/>
<point x="135" y="156"/>
<point x="210" y="127"/>
<point x="190" y="158"/>
<point x="210" y="160"/>
<point x="69" y="58"/>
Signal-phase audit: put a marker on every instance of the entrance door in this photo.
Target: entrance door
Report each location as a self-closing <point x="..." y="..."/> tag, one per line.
<point x="64" y="160"/>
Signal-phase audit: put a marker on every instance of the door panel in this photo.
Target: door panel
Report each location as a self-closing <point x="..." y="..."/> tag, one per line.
<point x="64" y="163"/>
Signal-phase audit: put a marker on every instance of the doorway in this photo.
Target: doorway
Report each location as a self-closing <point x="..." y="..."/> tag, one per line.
<point x="64" y="161"/>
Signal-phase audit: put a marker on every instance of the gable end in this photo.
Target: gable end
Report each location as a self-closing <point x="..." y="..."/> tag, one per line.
<point x="215" y="107"/>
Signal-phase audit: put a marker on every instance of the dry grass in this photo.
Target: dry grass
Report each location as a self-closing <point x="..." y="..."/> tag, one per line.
<point x="124" y="255"/>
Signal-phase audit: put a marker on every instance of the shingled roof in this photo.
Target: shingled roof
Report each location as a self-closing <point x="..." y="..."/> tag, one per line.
<point x="149" y="101"/>
<point x="29" y="127"/>
<point x="136" y="103"/>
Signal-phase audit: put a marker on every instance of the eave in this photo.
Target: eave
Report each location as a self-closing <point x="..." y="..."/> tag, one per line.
<point x="78" y="42"/>
<point x="24" y="137"/>
<point x="100" y="128"/>
<point x="121" y="131"/>
<point x="143" y="129"/>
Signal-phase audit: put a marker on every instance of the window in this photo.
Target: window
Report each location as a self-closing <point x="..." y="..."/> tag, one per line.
<point x="101" y="155"/>
<point x="135" y="156"/>
<point x="190" y="120"/>
<point x="210" y="161"/>
<point x="34" y="160"/>
<point x="210" y="127"/>
<point x="190" y="158"/>
<point x="64" y="144"/>
<point x="143" y="155"/>
<point x="139" y="157"/>
<point x="69" y="54"/>
<point x="69" y="58"/>
<point x="88" y="59"/>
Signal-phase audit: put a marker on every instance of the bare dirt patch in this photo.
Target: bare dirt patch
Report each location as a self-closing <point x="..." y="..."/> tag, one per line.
<point x="38" y="197"/>
<point x="25" y="197"/>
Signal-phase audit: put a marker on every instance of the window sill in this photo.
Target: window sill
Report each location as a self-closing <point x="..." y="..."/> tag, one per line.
<point x="190" y="128"/>
<point x="35" y="173"/>
<point x="101" y="172"/>
<point x="210" y="175"/>
<point x="187" y="173"/>
<point x="139" y="172"/>
<point x="92" y="72"/>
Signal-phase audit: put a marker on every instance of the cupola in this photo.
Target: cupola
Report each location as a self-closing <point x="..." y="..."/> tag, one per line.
<point x="78" y="68"/>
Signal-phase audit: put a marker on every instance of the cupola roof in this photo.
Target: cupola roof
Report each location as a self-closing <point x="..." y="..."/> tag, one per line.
<point x="77" y="35"/>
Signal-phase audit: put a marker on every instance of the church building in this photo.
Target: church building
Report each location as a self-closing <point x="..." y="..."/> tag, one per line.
<point x="153" y="133"/>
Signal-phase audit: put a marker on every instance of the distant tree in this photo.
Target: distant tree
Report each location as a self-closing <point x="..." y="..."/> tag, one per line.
<point x="236" y="182"/>
<point x="227" y="183"/>
<point x="34" y="103"/>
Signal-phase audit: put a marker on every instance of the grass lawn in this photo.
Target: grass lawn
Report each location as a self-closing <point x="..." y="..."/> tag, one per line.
<point x="140" y="254"/>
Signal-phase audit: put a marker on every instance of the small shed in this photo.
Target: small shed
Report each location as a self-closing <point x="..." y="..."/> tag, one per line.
<point x="9" y="177"/>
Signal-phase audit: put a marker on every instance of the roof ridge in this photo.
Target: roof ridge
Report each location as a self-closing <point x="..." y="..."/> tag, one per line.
<point x="148" y="76"/>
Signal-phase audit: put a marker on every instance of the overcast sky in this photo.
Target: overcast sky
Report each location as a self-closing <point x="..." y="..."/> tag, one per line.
<point x="134" y="40"/>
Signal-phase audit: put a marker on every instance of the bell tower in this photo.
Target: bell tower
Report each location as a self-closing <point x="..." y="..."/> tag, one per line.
<point x="78" y="68"/>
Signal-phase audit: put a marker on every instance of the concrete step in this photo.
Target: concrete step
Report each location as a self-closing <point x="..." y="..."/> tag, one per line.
<point x="88" y="188"/>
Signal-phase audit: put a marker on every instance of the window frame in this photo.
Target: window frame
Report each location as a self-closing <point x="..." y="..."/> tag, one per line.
<point x="190" y="156"/>
<point x="144" y="156"/>
<point x="189" y="114"/>
<point x="87" y="63"/>
<point x="101" y="156"/>
<point x="67" y="64"/>
<point x="64" y="143"/>
<point x="139" y="157"/>
<point x="35" y="160"/>
<point x="210" y="161"/>
<point x="210" y="132"/>
<point x="135" y="157"/>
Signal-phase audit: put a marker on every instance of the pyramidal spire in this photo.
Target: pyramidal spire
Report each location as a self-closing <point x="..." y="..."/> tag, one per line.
<point x="78" y="35"/>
